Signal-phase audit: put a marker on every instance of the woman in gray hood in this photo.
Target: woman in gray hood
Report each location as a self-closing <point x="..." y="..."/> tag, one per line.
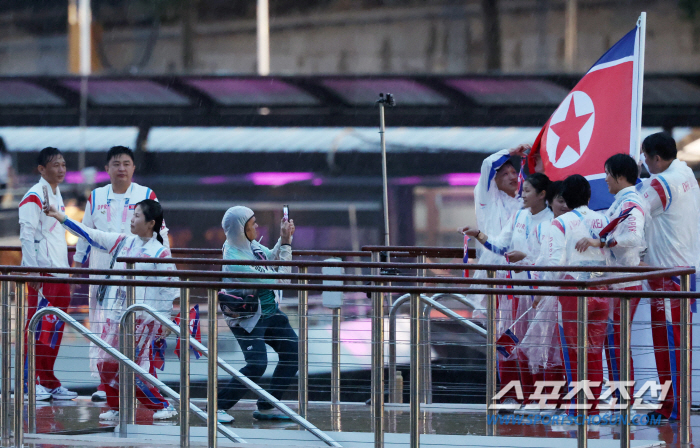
<point x="268" y="325"/>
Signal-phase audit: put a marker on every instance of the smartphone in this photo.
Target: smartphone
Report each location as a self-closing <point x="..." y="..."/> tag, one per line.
<point x="46" y="197"/>
<point x="285" y="212"/>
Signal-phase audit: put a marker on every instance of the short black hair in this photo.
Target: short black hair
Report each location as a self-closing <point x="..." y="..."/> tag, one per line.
<point x="576" y="191"/>
<point x="115" y="151"/>
<point x="47" y="154"/>
<point x="554" y="190"/>
<point x="539" y="182"/>
<point x="660" y="144"/>
<point x="509" y="163"/>
<point x="622" y="165"/>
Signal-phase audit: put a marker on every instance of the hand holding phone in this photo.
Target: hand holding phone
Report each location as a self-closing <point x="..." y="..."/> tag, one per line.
<point x="46" y="206"/>
<point x="285" y="211"/>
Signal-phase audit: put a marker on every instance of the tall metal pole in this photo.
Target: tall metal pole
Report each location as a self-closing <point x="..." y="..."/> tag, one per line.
<point x="570" y="34"/>
<point x="625" y="371"/>
<point x="85" y="30"/>
<point x="6" y="363"/>
<point x="377" y="363"/>
<point x="127" y="402"/>
<point x="20" y="302"/>
<point x="212" y="368"/>
<point x="582" y="372"/>
<point x="416" y="368"/>
<point x="491" y="353"/>
<point x="685" y="367"/>
<point x="303" y="345"/>
<point x="185" y="367"/>
<point x="384" y="100"/>
<point x="263" y="26"/>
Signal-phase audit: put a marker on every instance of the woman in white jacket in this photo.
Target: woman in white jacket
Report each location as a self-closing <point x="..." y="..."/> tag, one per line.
<point x="145" y="243"/>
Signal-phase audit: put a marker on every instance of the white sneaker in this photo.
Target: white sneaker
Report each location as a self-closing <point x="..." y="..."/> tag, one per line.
<point x="165" y="413"/>
<point x="42" y="394"/>
<point x="110" y="415"/>
<point x="61" y="393"/>
<point x="223" y="417"/>
<point x="99" y="395"/>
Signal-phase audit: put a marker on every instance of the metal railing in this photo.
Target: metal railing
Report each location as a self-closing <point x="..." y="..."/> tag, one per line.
<point x="377" y="315"/>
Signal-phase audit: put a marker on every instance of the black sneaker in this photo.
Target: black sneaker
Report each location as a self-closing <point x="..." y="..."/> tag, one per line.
<point x="270" y="414"/>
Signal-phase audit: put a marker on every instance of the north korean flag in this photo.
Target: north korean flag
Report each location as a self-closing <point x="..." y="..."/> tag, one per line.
<point x="597" y="119"/>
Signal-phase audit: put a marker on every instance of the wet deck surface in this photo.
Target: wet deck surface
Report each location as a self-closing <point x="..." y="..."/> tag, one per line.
<point x="81" y="416"/>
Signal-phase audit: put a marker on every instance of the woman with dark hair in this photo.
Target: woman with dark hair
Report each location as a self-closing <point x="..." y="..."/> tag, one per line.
<point x="146" y="242"/>
<point x="518" y="243"/>
<point x="567" y="230"/>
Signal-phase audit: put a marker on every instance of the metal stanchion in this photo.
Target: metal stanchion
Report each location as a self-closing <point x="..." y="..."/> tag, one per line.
<point x="426" y="369"/>
<point x="685" y="367"/>
<point x="5" y="363"/>
<point x="212" y="370"/>
<point x="582" y="371"/>
<point x="377" y="363"/>
<point x="31" y="385"/>
<point x="127" y="397"/>
<point x="185" y="367"/>
<point x="394" y="393"/>
<point x="20" y="302"/>
<point x="415" y="371"/>
<point x="303" y="346"/>
<point x="335" y="357"/>
<point x="335" y="371"/>
<point x="491" y="366"/>
<point x="625" y="371"/>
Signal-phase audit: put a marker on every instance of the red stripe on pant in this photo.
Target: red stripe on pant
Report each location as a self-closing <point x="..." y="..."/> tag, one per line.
<point x="612" y="351"/>
<point x="508" y="369"/>
<point x="58" y="295"/>
<point x="148" y="395"/>
<point x="666" y="336"/>
<point x="598" y="309"/>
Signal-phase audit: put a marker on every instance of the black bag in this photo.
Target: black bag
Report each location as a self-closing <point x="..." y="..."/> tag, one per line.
<point x="239" y="303"/>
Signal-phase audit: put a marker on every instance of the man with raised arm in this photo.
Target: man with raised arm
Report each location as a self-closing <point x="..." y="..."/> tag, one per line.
<point x="496" y="200"/>
<point x="673" y="198"/>
<point x="110" y="209"/>
<point x="44" y="245"/>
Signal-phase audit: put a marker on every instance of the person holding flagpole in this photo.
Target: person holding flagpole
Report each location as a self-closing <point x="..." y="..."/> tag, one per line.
<point x="672" y="233"/>
<point x="624" y="239"/>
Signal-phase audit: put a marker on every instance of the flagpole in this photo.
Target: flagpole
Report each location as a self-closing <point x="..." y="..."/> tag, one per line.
<point x="640" y="80"/>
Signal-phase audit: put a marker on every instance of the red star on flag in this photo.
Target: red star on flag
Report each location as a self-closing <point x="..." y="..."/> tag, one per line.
<point x="568" y="130"/>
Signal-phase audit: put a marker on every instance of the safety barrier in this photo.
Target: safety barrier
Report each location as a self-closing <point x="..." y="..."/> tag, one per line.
<point x="377" y="289"/>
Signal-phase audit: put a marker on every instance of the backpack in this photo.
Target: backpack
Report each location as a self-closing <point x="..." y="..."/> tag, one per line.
<point x="239" y="303"/>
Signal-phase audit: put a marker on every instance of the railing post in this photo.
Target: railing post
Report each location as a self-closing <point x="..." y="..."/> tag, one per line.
<point x="415" y="371"/>
<point x="20" y="301"/>
<point x="426" y="369"/>
<point x="685" y="367"/>
<point x="491" y="366"/>
<point x="6" y="362"/>
<point x="625" y="354"/>
<point x="127" y="402"/>
<point x="303" y="344"/>
<point x="335" y="356"/>
<point x="394" y="393"/>
<point x="377" y="363"/>
<point x="31" y="385"/>
<point x="212" y="370"/>
<point x="582" y="372"/>
<point x="185" y="367"/>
